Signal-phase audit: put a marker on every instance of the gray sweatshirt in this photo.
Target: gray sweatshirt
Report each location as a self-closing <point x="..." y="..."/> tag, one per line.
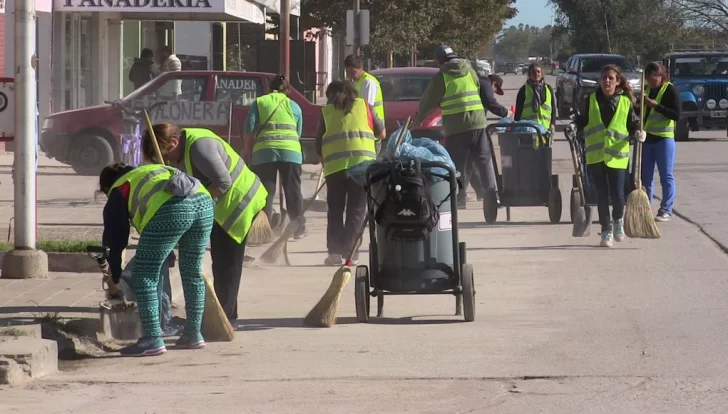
<point x="209" y="163"/>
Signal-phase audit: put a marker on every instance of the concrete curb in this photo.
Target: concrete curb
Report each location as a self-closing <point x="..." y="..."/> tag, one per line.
<point x="68" y="262"/>
<point x="24" y="355"/>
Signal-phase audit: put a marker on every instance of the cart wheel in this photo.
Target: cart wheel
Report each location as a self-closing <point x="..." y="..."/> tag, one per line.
<point x="555" y="206"/>
<point x="574" y="202"/>
<point x="361" y="294"/>
<point x="468" y="292"/>
<point x="490" y="206"/>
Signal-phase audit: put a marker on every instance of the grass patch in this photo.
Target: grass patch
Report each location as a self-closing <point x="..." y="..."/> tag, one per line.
<point x="57" y="246"/>
<point x="55" y="320"/>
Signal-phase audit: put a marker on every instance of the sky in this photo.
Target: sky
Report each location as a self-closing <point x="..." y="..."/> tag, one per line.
<point x="532" y="12"/>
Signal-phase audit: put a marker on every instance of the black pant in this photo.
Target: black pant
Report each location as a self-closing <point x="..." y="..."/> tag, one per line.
<point x="227" y="269"/>
<point x="475" y="181"/>
<point x="343" y="194"/>
<point x="609" y="182"/>
<point x="472" y="147"/>
<point x="291" y="182"/>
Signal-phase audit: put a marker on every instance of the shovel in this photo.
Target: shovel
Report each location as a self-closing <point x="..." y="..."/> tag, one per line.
<point x="582" y="214"/>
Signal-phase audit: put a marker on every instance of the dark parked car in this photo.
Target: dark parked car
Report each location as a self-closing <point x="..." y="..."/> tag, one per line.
<point x="580" y="77"/>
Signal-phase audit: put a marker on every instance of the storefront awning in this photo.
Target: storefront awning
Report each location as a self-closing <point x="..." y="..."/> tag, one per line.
<point x="198" y="10"/>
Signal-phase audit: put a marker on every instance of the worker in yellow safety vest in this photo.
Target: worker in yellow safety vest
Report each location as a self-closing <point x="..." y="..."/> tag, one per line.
<point x="607" y="121"/>
<point x="535" y="100"/>
<point x="456" y="91"/>
<point x="238" y="193"/>
<point x="167" y="208"/>
<point x="272" y="144"/>
<point x="662" y="100"/>
<point x="347" y="134"/>
<point x="367" y="85"/>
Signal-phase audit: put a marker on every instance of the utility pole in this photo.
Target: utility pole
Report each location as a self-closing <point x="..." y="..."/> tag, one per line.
<point x="284" y="38"/>
<point x="24" y="261"/>
<point x="356" y="49"/>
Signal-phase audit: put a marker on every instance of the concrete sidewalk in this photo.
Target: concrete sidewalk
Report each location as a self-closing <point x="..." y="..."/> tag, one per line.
<point x="560" y="323"/>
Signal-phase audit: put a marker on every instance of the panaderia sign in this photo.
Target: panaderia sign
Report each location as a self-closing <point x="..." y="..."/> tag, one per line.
<point x="211" y="10"/>
<point x="135" y="5"/>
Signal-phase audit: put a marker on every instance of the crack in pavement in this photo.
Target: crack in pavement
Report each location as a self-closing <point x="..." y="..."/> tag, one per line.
<point x="701" y="229"/>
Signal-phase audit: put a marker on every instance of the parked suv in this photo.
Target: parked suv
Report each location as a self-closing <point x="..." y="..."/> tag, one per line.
<point x="702" y="78"/>
<point x="88" y="139"/>
<point x="581" y="75"/>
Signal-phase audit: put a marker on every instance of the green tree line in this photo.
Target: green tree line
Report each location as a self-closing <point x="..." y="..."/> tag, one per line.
<point x="465" y="25"/>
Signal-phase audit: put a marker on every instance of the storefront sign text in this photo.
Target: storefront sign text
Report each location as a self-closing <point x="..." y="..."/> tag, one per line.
<point x="141" y="4"/>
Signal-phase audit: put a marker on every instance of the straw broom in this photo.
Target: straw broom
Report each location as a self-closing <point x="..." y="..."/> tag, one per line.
<point x="323" y="315"/>
<point x="280" y="246"/>
<point x="638" y="219"/>
<point x="215" y="324"/>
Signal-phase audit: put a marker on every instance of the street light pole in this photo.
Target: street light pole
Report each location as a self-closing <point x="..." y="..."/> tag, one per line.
<point x="284" y="38"/>
<point x="357" y="38"/>
<point x="24" y="261"/>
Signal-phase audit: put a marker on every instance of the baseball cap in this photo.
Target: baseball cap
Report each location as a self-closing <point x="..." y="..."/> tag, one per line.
<point x="444" y="52"/>
<point x="497" y="81"/>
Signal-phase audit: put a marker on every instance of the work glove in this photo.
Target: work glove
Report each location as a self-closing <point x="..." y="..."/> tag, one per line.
<point x="640" y="136"/>
<point x="571" y="128"/>
<point x="510" y="115"/>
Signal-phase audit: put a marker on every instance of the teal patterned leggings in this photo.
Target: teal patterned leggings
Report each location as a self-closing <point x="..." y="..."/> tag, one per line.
<point x="185" y="221"/>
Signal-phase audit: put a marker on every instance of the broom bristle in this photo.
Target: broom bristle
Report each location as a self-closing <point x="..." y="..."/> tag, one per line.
<point x="260" y="231"/>
<point x="639" y="223"/>
<point x="323" y="315"/>
<point x="278" y="248"/>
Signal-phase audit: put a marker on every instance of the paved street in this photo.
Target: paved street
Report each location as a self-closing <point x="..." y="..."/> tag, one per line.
<point x="562" y="326"/>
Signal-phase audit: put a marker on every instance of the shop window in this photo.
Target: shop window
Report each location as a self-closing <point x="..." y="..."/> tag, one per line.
<point x="242" y="90"/>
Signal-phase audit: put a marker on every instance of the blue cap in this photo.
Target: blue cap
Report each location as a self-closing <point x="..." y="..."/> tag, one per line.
<point x="444" y="52"/>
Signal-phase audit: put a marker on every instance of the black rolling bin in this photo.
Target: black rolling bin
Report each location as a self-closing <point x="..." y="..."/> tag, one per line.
<point x="526" y="178"/>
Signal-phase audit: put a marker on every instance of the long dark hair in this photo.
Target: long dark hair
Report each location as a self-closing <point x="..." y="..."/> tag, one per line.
<point x="342" y="95"/>
<point x="109" y="175"/>
<point x="623" y="81"/>
<point x="656" y="68"/>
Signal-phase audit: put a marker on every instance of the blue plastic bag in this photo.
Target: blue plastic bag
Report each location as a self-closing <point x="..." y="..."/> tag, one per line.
<point x="532" y="128"/>
<point x="423" y="149"/>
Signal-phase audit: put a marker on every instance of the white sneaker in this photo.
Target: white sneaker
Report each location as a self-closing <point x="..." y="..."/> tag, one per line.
<point x="662" y="217"/>
<point x="334" y="260"/>
<point x="607" y="239"/>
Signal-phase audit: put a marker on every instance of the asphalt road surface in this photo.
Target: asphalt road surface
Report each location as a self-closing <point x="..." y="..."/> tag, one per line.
<point x="562" y="326"/>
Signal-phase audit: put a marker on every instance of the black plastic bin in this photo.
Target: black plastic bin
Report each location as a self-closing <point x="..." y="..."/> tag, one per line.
<point x="526" y="178"/>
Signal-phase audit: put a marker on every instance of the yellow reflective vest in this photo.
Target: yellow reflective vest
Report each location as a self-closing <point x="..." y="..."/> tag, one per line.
<point x="379" y="103"/>
<point x="146" y="192"/>
<point x="246" y="197"/>
<point x="281" y="131"/>
<point x="609" y="145"/>
<point x="461" y="95"/>
<point x="348" y="139"/>
<point x="658" y="124"/>
<point x="543" y="116"/>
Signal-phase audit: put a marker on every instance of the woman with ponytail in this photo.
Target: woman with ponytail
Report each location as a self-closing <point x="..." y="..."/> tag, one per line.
<point x="608" y="120"/>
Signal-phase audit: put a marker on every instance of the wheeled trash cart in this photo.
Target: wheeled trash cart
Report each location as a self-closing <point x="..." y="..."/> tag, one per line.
<point x="402" y="265"/>
<point x="526" y="179"/>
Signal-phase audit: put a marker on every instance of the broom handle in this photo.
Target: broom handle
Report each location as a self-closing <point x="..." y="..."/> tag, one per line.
<point x="154" y="137"/>
<point x="319" y="187"/>
<point x="638" y="148"/>
<point x="358" y="240"/>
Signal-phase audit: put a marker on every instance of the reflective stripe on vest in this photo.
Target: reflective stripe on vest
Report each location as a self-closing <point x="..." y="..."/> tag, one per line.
<point x="348" y="140"/>
<point x="543" y="116"/>
<point x="280" y="132"/>
<point x="658" y="124"/>
<point x="246" y="197"/>
<point x="146" y="192"/>
<point x="378" y="104"/>
<point x="461" y="95"/>
<point x="609" y="145"/>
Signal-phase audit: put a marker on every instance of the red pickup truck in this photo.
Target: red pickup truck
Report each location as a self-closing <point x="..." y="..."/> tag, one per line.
<point x="88" y="139"/>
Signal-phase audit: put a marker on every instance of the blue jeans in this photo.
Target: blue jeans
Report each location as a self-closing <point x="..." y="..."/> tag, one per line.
<point x="661" y="153"/>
